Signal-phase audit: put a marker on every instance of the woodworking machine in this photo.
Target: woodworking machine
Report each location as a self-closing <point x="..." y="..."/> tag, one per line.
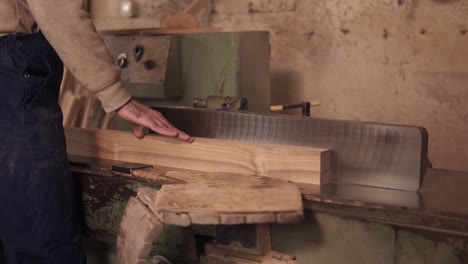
<point x="376" y="175"/>
<point x="378" y="172"/>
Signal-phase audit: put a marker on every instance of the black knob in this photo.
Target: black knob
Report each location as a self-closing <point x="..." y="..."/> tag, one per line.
<point x="138" y="52"/>
<point x="149" y="64"/>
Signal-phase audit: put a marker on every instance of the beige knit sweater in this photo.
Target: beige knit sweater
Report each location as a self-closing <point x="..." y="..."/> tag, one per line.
<point x="71" y="32"/>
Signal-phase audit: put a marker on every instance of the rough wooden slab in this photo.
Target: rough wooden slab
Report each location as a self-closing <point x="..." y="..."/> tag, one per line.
<point x="251" y="200"/>
<point x="165" y="175"/>
<point x="138" y="230"/>
<point x="298" y="164"/>
<point x="230" y="198"/>
<point x="204" y="198"/>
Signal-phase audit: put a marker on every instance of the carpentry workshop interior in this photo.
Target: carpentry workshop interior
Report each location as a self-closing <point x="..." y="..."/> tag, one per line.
<point x="326" y="131"/>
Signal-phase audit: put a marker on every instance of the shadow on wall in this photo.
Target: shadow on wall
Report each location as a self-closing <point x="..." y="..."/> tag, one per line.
<point x="285" y="87"/>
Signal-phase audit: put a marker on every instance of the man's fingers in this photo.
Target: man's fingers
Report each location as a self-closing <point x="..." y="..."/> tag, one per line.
<point x="160" y="122"/>
<point x="164" y="131"/>
<point x="141" y="116"/>
<point x="160" y="118"/>
<point x="180" y="135"/>
<point x="184" y="137"/>
<point x="138" y="131"/>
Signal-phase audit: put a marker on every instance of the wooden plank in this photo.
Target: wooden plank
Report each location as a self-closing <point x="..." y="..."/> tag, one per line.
<point x="223" y="198"/>
<point x="205" y="218"/>
<point x="215" y="178"/>
<point x="160" y="31"/>
<point x="181" y="21"/>
<point x="68" y="105"/>
<point x="87" y="111"/>
<point x="138" y="230"/>
<point x="230" y="198"/>
<point x="205" y="203"/>
<point x="67" y="83"/>
<point x="261" y="218"/>
<point x="297" y="164"/>
<point x="177" y="219"/>
<point x="187" y="204"/>
<point x="216" y="198"/>
<point x="232" y="219"/>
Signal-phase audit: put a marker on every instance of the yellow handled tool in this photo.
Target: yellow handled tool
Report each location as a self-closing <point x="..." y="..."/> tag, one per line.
<point x="305" y="106"/>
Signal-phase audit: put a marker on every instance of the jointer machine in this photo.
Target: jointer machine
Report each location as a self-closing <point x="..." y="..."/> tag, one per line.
<point x="249" y="188"/>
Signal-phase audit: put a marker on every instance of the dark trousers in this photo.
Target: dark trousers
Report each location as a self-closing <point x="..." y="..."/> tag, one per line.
<point x="38" y="216"/>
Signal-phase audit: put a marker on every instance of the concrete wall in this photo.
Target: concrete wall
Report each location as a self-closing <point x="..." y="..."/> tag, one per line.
<point x="397" y="61"/>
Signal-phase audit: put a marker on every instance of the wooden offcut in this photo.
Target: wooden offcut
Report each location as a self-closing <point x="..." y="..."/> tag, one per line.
<point x="138" y="229"/>
<point x="230" y="203"/>
<point x="230" y="198"/>
<point x="206" y="203"/>
<point x="289" y="163"/>
<point x="212" y="198"/>
<point x="220" y="255"/>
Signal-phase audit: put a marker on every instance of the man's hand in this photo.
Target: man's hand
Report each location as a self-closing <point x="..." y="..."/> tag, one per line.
<point x="140" y="116"/>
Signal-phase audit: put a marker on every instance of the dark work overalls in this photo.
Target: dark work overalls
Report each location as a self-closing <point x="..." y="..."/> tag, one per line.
<point x="38" y="216"/>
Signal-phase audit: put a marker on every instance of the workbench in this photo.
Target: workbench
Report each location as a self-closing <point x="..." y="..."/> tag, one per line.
<point x="342" y="222"/>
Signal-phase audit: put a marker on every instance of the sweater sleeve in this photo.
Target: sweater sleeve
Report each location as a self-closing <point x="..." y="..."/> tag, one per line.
<point x="70" y="30"/>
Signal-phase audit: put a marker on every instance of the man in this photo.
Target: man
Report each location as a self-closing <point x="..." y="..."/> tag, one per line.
<point x="38" y="220"/>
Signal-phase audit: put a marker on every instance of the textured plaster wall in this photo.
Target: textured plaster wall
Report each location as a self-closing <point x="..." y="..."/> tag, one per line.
<point x="394" y="61"/>
<point x="397" y="61"/>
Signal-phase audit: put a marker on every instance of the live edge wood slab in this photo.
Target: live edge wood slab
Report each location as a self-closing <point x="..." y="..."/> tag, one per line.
<point x="289" y="163"/>
<point x="215" y="198"/>
<point x="227" y="199"/>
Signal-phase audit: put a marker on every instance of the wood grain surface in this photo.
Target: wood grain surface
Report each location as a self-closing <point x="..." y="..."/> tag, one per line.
<point x="138" y="229"/>
<point x="192" y="197"/>
<point x="227" y="203"/>
<point x="296" y="164"/>
<point x="230" y="198"/>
